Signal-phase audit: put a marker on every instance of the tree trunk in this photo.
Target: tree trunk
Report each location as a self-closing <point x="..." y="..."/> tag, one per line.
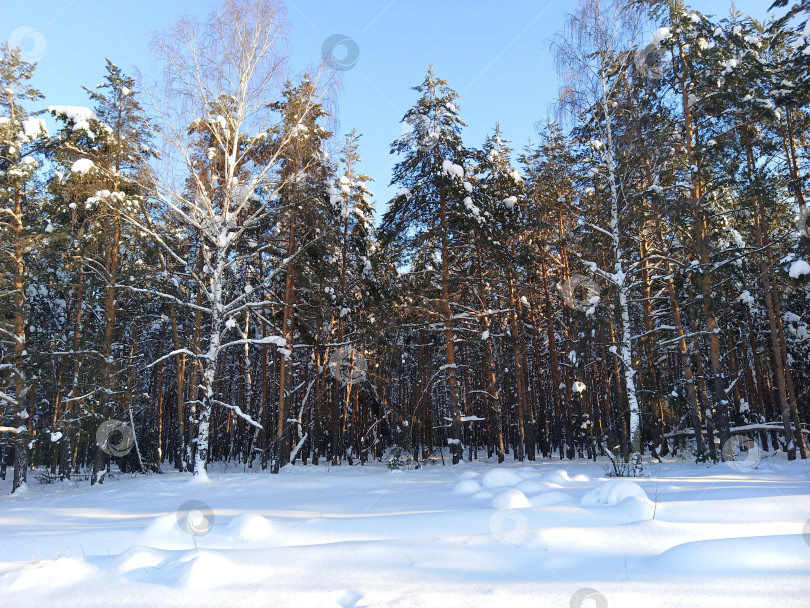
<point x="100" y="457"/>
<point x="456" y="448"/>
<point x="282" y="445"/>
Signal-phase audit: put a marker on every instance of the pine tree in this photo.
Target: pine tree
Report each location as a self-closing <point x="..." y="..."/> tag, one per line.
<point x="301" y="203"/>
<point x="550" y="171"/>
<point x="105" y="154"/>
<point x="500" y="192"/>
<point x="421" y="218"/>
<point x="354" y="233"/>
<point x="22" y="137"/>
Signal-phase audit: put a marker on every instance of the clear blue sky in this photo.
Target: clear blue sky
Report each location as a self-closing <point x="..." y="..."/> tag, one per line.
<point x="495" y="54"/>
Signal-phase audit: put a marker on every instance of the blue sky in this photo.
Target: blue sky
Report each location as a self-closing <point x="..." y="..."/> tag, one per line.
<point x="495" y="54"/>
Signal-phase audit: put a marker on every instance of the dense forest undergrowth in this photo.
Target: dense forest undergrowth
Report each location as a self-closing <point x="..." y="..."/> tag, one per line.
<point x="192" y="272"/>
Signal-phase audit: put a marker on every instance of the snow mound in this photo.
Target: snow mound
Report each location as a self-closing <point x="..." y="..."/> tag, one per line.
<point x="250" y="526"/>
<point x="345" y="598"/>
<point x="497" y="478"/>
<point x="468" y="486"/>
<point x="57" y="573"/>
<point x="550" y="498"/>
<point x="628" y="496"/>
<point x="754" y="554"/>
<point x="557" y="476"/>
<point x="637" y="508"/>
<point x="510" y="499"/>
<point x="21" y="491"/>
<point x="562" y="477"/>
<point x="468" y="475"/>
<point x="163" y="532"/>
<point x="483" y="495"/>
<point x="612" y="492"/>
<point x="202" y="571"/>
<point x="136" y="558"/>
<point x="532" y="487"/>
<point x="200" y="478"/>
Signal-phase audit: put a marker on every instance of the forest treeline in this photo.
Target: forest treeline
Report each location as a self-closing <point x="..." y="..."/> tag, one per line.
<point x="192" y="272"/>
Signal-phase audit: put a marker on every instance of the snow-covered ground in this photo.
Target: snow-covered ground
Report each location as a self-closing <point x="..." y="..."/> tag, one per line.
<point x="543" y="534"/>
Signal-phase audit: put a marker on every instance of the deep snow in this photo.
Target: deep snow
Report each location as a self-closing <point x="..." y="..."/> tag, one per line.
<point x="477" y="534"/>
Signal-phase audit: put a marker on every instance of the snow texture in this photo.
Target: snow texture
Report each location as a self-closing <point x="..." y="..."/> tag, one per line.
<point x="799" y="268"/>
<point x="691" y="535"/>
<point x="83" y="165"/>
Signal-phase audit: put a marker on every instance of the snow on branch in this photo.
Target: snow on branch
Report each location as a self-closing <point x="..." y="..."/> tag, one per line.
<point x="238" y="411"/>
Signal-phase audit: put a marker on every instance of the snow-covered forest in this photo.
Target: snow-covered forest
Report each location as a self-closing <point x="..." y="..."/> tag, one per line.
<point x="572" y="372"/>
<point x="193" y="273"/>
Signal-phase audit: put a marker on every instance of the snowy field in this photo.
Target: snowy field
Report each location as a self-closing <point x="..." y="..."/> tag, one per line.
<point x="545" y="534"/>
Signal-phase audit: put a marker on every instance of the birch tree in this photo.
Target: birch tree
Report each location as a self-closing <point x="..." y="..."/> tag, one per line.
<point x="593" y="67"/>
<point x="220" y="178"/>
